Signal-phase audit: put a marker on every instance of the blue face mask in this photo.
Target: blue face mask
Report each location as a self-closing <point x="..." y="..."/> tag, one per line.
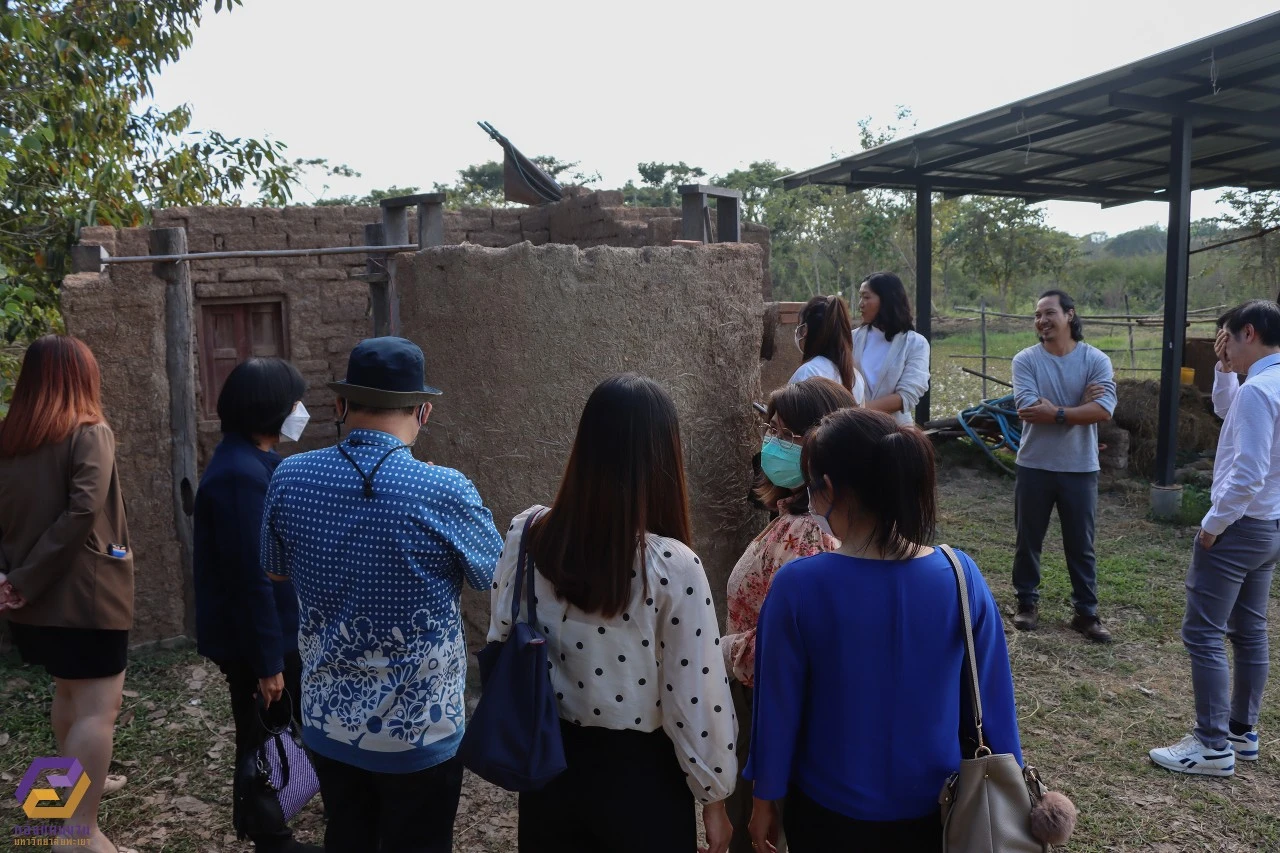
<point x="780" y="461"/>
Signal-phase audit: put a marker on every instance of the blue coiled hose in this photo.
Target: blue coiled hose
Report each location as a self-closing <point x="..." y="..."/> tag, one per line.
<point x="1004" y="412"/>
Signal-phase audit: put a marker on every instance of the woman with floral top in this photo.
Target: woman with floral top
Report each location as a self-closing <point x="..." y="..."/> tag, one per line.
<point x="793" y="411"/>
<point x="632" y="638"/>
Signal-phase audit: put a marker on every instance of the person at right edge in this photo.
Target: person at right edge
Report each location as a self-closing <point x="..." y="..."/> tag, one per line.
<point x="1235" y="553"/>
<point x="1063" y="388"/>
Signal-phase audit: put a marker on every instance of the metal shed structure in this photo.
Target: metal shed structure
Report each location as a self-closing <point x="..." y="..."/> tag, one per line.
<point x="1199" y="116"/>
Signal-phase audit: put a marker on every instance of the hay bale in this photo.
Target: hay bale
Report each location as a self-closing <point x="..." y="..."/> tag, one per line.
<point x="1115" y="441"/>
<point x="1138" y="411"/>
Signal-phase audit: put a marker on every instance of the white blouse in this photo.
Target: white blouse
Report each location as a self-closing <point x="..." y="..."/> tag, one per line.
<point x="822" y="366"/>
<point x="655" y="664"/>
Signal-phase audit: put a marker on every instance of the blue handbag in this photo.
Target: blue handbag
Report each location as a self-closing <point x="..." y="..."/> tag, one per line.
<point x="513" y="738"/>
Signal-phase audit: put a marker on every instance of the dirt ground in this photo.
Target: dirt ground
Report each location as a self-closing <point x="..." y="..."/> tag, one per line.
<point x="1088" y="713"/>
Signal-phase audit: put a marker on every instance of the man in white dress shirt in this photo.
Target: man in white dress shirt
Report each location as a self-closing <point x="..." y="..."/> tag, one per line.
<point x="1236" y="550"/>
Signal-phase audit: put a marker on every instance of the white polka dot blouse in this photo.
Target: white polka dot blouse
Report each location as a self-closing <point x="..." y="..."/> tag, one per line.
<point x="657" y="664"/>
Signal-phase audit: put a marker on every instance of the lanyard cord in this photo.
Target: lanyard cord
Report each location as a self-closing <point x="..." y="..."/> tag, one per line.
<point x="368" y="478"/>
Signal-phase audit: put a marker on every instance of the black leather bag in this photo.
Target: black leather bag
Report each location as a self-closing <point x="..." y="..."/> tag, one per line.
<point x="274" y="781"/>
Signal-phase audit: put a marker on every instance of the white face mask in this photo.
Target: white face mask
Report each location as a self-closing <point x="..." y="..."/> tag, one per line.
<point x="799" y="338"/>
<point x="823" y="521"/>
<point x="295" y="423"/>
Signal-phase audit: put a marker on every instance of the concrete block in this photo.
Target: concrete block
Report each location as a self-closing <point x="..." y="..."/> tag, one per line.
<point x="493" y="239"/>
<point x="253" y="274"/>
<point x="223" y="289"/>
<point x="318" y="274"/>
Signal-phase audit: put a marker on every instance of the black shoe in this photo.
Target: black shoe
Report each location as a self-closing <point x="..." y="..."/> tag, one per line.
<point x="1028" y="616"/>
<point x="1091" y="626"/>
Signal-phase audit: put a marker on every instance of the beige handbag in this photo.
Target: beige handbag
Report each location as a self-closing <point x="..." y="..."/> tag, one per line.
<point x="986" y="807"/>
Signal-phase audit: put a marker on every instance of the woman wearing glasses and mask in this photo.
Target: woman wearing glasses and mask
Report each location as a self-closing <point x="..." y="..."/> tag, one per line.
<point x="793" y="411"/>
<point x="825" y="340"/>
<point x="246" y="623"/>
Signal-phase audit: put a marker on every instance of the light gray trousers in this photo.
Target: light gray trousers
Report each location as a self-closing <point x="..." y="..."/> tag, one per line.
<point x="1227" y="591"/>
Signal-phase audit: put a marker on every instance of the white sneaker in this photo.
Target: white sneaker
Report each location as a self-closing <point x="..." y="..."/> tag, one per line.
<point x="1189" y="755"/>
<point x="1245" y="745"/>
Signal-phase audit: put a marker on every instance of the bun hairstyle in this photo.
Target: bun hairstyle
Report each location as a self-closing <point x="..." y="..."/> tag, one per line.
<point x="829" y="332"/>
<point x="883" y="470"/>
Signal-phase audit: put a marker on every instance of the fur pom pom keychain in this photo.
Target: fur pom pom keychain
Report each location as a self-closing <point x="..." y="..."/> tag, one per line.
<point x="1053" y="818"/>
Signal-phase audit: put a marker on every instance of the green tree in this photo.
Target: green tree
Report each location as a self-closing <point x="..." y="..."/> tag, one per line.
<point x="1004" y="243"/>
<point x="77" y="148"/>
<point x="373" y="199"/>
<point x="660" y="184"/>
<point x="481" y="184"/>
<point x="1259" y="258"/>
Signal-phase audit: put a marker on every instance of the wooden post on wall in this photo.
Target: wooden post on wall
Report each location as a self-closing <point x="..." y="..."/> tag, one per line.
<point x="180" y="369"/>
<point x="395" y="232"/>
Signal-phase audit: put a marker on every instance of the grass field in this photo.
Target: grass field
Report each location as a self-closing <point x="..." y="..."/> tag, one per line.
<point x="952" y="389"/>
<point x="1088" y="713"/>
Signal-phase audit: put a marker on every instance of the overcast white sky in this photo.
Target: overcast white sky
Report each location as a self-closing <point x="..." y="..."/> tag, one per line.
<point x="394" y="87"/>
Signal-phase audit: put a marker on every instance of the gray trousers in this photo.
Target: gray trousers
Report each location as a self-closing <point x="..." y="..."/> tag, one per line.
<point x="1227" y="591"/>
<point x="1035" y="493"/>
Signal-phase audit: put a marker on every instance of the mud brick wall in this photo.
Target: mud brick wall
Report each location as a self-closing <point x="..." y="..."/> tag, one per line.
<point x="325" y="311"/>
<point x="779" y="354"/>
<point x="515" y="384"/>
<point x="120" y="314"/>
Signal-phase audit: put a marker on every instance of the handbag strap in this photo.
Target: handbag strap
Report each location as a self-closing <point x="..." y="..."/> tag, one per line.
<point x="971" y="657"/>
<point x="523" y="575"/>
<point x="288" y="720"/>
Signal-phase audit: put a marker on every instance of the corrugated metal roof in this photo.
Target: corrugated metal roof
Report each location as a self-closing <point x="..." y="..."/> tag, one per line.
<point x="1106" y="138"/>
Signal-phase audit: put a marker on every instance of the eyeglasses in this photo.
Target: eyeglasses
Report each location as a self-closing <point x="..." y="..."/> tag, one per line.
<point x="770" y="431"/>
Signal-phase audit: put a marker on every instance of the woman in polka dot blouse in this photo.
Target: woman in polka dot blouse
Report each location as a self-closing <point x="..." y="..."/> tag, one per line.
<point x="793" y="410"/>
<point x="633" y="640"/>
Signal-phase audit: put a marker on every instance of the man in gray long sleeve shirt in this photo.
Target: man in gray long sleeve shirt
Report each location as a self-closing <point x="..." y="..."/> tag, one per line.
<point x="1063" y="388"/>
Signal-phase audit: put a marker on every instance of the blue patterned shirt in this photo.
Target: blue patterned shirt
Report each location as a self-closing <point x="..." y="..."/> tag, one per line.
<point x="379" y="583"/>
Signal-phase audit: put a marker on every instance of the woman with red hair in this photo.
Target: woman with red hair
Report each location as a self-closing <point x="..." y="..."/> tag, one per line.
<point x="66" y="572"/>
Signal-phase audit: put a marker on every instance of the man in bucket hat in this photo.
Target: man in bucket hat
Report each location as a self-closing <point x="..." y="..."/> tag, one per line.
<point x="378" y="544"/>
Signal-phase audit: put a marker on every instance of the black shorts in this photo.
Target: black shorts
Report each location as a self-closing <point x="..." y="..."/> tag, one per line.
<point x="72" y="652"/>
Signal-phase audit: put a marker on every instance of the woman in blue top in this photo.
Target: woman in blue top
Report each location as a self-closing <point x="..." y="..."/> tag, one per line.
<point x="859" y="653"/>
<point x="245" y="623"/>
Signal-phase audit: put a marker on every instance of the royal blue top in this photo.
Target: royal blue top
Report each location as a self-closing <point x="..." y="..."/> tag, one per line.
<point x="379" y="581"/>
<point x="858" y="683"/>
<point x="240" y="614"/>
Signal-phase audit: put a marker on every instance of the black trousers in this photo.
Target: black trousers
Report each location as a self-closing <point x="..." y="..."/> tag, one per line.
<point x="1035" y="494"/>
<point x="370" y="812"/>
<point x="243" y="685"/>
<point x="812" y="828"/>
<point x="624" y="792"/>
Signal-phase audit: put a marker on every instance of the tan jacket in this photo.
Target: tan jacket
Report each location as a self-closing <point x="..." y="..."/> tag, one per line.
<point x="61" y="509"/>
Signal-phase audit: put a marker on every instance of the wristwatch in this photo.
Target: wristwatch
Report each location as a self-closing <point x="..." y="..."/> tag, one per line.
<point x="1061" y="416"/>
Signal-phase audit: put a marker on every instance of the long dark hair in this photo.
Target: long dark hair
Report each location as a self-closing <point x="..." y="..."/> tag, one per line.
<point x="58" y="389"/>
<point x="1068" y="304"/>
<point x="894" y="315"/>
<point x="829" y="332"/>
<point x="625" y="477"/>
<point x="885" y="469"/>
<point x="801" y="406"/>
